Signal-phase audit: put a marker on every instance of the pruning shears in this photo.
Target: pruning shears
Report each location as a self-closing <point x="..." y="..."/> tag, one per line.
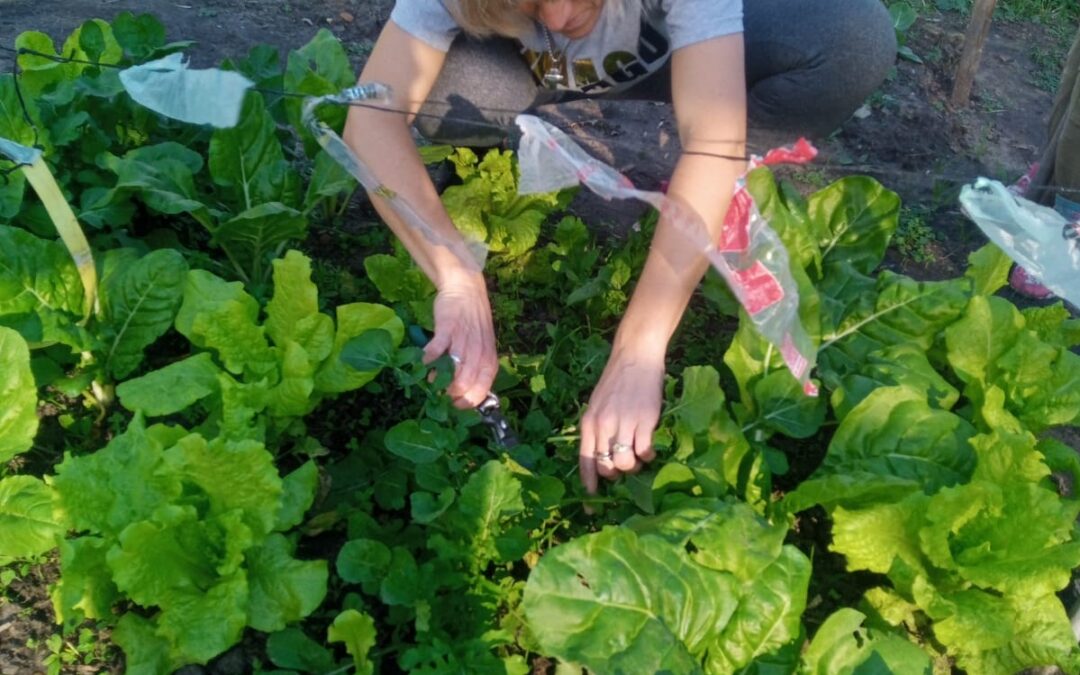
<point x="488" y="409"/>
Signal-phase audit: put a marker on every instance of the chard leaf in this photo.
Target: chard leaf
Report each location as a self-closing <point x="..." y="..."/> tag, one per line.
<point x="902" y="311"/>
<point x="726" y="537"/>
<point x="769" y="614"/>
<point x="489" y="499"/>
<point x="363" y="561"/>
<point x="11" y="192"/>
<point x="248" y="162"/>
<point x="786" y="211"/>
<point x="357" y="631"/>
<point x="38" y="277"/>
<point x="857" y="216"/>
<point x="319" y="67"/>
<point x="140" y="305"/>
<point x="13" y="125"/>
<point x="282" y="589"/>
<point x="163" y="177"/>
<point x="614" y="601"/>
<point x="140" y="35"/>
<point x="221" y="316"/>
<point x="173" y="388"/>
<point x="85" y="589"/>
<point x="253" y="234"/>
<point x="782" y="406"/>
<point x="18" y="417"/>
<point x="397" y="280"/>
<point x="897" y="365"/>
<point x="27" y="525"/>
<point x="334" y="376"/>
<point x="842" y="646"/>
<point x="328" y="179"/>
<point x="894" y="432"/>
<point x="420" y="444"/>
<point x="123" y="483"/>
<point x="873" y="538"/>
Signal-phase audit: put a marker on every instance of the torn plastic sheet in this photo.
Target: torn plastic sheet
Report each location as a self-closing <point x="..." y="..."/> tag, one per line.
<point x="18" y="153"/>
<point x="1041" y="240"/>
<point x="471" y="252"/>
<point x="749" y="255"/>
<point x="167" y="86"/>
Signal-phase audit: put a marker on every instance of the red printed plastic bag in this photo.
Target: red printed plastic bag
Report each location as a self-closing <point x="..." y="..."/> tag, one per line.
<point x="749" y="255"/>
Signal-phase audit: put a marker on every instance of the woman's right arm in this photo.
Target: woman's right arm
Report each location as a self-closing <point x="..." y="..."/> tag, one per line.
<point x="382" y="139"/>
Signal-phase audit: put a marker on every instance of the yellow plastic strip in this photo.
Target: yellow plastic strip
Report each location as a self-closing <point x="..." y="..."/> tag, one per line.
<point x="44" y="183"/>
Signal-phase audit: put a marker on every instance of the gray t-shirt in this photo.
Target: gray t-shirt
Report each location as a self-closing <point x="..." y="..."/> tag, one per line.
<point x="620" y="50"/>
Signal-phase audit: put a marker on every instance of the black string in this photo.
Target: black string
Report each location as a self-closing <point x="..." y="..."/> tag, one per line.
<point x="505" y="130"/>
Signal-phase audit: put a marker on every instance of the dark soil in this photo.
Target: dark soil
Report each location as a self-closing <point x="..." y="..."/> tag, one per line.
<point x="906" y="136"/>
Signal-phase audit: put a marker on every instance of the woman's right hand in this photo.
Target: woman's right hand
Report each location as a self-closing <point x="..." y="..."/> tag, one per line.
<point x="464" y="330"/>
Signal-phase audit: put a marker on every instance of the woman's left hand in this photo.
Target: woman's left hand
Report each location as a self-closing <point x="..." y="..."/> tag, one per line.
<point x="617" y="428"/>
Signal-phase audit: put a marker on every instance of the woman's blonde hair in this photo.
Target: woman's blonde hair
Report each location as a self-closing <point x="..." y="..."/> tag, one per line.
<point x="485" y="18"/>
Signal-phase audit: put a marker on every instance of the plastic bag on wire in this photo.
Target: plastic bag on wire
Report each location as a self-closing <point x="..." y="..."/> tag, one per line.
<point x="1041" y="240"/>
<point x="749" y="255"/>
<point x="471" y="252"/>
<point x="167" y="86"/>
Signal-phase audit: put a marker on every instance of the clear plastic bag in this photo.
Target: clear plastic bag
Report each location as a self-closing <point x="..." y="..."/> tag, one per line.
<point x="749" y="256"/>
<point x="167" y="86"/>
<point x="1041" y="240"/>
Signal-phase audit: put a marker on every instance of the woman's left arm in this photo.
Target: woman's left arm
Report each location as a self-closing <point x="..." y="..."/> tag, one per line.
<point x="709" y="94"/>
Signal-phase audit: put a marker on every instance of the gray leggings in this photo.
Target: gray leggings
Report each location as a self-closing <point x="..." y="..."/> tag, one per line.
<point x="809" y="65"/>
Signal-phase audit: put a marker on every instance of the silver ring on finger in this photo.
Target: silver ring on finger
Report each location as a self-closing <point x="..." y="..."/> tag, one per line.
<point x="619" y="448"/>
<point x="456" y="359"/>
<point x="603" y="456"/>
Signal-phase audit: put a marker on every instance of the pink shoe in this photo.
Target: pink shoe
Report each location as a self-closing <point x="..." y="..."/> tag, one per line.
<point x="1025" y="284"/>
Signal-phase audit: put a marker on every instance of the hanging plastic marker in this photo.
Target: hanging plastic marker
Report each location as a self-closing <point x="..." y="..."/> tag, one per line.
<point x="167" y="86"/>
<point x="749" y="256"/>
<point x="1044" y="242"/>
<point x="18" y="153"/>
<point x="471" y="252"/>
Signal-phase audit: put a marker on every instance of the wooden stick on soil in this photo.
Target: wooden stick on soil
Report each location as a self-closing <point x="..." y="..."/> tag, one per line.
<point x="974" y="41"/>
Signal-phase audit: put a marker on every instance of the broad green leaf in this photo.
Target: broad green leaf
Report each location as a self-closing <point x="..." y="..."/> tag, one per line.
<point x="221" y="316"/>
<point x="292" y="395"/>
<point x="123" y="483"/>
<point x="397" y="280"/>
<point x="253" y="234"/>
<point x="139" y="35"/>
<point x="282" y="588"/>
<point x="872" y="538"/>
<point x="18" y="391"/>
<point x="901" y="311"/>
<point x="842" y="646"/>
<point x="363" y="561"/>
<point x="202" y="624"/>
<point x="988" y="269"/>
<point x="27" y="525"/>
<point x="292" y="649"/>
<point x="420" y="444"/>
<point x="173" y="388"/>
<point x="298" y="494"/>
<point x="11" y="194"/>
<point x="782" y="406"/>
<point x="786" y="211"/>
<point x="851" y="489"/>
<point x="145" y="651"/>
<point x="140" y="306"/>
<point x="85" y="589"/>
<point x="163" y="177"/>
<point x="895" y="432"/>
<point x="490" y="496"/>
<point x="292" y="311"/>
<point x="247" y="161"/>
<point x="426" y="507"/>
<point x="13" y="124"/>
<point x="727" y="537"/>
<point x="1053" y="324"/>
<point x="236" y="475"/>
<point x="857" y="217"/>
<point x="701" y="398"/>
<point x="38" y="276"/>
<point x="334" y="376"/>
<point x="328" y="179"/>
<point x="981" y="336"/>
<point x="615" y="601"/>
<point x="319" y="67"/>
<point x="370" y="351"/>
<point x="769" y="614"/>
<point x="358" y="633"/>
<point x="400" y="585"/>
<point x="897" y="365"/>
